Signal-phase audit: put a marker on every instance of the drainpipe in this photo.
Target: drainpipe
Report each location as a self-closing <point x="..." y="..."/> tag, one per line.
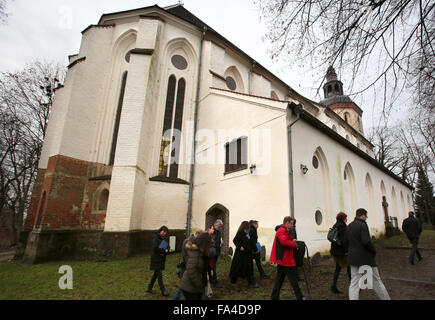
<point x="297" y="109"/>
<point x="195" y="124"/>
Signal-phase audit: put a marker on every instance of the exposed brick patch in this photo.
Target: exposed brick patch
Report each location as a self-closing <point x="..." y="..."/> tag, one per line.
<point x="72" y="222"/>
<point x="71" y="195"/>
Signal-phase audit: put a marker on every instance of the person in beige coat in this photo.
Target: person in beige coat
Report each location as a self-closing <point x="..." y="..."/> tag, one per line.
<point x="194" y="279"/>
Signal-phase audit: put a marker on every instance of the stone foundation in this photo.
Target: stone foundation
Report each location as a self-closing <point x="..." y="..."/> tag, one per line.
<point x="46" y="246"/>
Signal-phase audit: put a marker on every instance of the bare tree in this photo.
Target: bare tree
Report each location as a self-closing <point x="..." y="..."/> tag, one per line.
<point x="417" y="135"/>
<point x="408" y="146"/>
<point x="389" y="151"/>
<point x="25" y="103"/>
<point x="353" y="34"/>
<point x="3" y="13"/>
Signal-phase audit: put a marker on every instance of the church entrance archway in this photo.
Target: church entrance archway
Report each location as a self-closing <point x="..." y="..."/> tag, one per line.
<point x="216" y="212"/>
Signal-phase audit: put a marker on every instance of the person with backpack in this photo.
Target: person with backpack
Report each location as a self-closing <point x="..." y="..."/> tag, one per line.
<point x="160" y="249"/>
<point x="339" y="250"/>
<point x="413" y="229"/>
<point x="282" y="255"/>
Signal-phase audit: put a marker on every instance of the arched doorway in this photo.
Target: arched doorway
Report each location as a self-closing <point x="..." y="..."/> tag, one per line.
<point x="216" y="212"/>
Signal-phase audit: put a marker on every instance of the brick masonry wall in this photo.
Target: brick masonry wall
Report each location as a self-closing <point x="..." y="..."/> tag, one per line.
<point x="64" y="183"/>
<point x="71" y="186"/>
<point x="72" y="222"/>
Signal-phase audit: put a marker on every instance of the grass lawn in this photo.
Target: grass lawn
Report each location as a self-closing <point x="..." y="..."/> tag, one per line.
<point x="114" y="280"/>
<point x="427" y="241"/>
<point x="128" y="279"/>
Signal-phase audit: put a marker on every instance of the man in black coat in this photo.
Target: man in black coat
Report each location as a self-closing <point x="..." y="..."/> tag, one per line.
<point x="412" y="227"/>
<point x="158" y="260"/>
<point x="216" y="244"/>
<point x="361" y="258"/>
<point x="256" y="254"/>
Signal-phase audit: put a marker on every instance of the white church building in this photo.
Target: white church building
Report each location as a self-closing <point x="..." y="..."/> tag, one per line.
<point x="120" y="159"/>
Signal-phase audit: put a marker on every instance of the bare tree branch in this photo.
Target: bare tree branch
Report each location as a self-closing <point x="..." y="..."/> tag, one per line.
<point x="25" y="103"/>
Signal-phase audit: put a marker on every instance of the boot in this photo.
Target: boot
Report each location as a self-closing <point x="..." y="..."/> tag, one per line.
<point x="150" y="287"/>
<point x="335" y="290"/>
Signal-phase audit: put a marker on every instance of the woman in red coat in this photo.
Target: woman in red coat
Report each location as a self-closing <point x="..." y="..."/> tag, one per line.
<point x="282" y="255"/>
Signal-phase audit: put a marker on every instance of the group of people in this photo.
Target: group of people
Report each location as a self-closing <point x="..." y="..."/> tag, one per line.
<point x="199" y="256"/>
<point x="201" y="251"/>
<point x="354" y="249"/>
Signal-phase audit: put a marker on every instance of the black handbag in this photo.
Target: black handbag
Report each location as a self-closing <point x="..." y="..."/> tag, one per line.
<point x="299" y="253"/>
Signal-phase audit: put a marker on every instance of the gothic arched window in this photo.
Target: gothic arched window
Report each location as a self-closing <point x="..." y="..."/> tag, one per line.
<point x="172" y="125"/>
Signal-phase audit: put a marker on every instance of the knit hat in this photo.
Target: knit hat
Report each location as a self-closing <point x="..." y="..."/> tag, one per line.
<point x="218" y="223"/>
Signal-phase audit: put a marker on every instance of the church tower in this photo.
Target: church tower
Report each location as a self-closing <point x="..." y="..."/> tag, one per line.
<point x="340" y="103"/>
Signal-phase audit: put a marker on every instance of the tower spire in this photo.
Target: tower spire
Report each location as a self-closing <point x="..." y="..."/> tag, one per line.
<point x="333" y="86"/>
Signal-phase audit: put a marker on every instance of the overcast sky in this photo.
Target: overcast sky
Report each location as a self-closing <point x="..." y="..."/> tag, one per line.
<point x="51" y="30"/>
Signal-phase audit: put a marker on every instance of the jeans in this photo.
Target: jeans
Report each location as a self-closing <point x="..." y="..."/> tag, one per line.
<point x="414" y="250"/>
<point x="290" y="273"/>
<point x="378" y="286"/>
<point x="179" y="294"/>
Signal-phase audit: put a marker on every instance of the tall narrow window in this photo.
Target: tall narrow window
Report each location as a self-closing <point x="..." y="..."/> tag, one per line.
<point x="118" y="119"/>
<point x="236" y="155"/>
<point x="172" y="126"/>
<point x="178" y="123"/>
<point x="167" y="124"/>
